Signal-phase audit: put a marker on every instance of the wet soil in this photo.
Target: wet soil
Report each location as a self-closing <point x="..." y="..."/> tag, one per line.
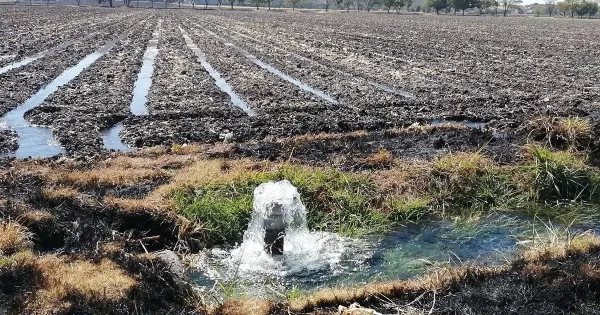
<point x="425" y="76"/>
<point x="9" y="141"/>
<point x="98" y="98"/>
<point x="26" y="32"/>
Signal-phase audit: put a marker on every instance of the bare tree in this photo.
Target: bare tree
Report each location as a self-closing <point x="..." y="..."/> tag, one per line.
<point x="328" y="4"/>
<point x="256" y="2"/>
<point x="206" y="4"/>
<point x="348" y="4"/>
<point x="551" y="6"/>
<point x="267" y="1"/>
<point x="509" y="4"/>
<point x="230" y="2"/>
<point x="220" y="2"/>
<point x="295" y="3"/>
<point x="370" y="4"/>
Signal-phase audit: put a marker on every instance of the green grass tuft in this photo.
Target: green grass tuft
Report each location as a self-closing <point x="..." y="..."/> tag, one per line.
<point x="563" y="176"/>
<point x="472" y="182"/>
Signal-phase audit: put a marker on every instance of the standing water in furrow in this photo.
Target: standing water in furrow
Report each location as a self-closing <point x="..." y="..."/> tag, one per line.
<point x="37" y="141"/>
<point x="110" y="136"/>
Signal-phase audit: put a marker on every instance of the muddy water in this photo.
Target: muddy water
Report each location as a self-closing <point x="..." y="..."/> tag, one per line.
<point x="112" y="140"/>
<point x="219" y="81"/>
<point x="37" y="141"/>
<point x="276" y="71"/>
<point x="144" y="79"/>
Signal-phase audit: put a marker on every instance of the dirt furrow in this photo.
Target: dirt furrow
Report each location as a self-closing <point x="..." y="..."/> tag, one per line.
<point x="97" y="98"/>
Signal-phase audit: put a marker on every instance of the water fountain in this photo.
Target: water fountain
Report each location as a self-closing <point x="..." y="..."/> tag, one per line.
<point x="278" y="241"/>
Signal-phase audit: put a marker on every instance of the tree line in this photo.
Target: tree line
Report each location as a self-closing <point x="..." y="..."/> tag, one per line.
<point x="570" y="8"/>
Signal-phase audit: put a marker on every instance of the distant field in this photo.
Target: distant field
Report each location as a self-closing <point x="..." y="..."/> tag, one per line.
<point x="297" y="72"/>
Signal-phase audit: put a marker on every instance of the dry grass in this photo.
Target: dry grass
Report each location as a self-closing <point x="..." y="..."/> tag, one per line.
<point x="112" y="176"/>
<point x="207" y="172"/>
<point x="119" y="171"/>
<point x="554" y="248"/>
<point x="574" y="131"/>
<point x="308" y="138"/>
<point x="60" y="278"/>
<point x="536" y="269"/>
<point x="59" y="193"/>
<point x="431" y="128"/>
<point x="113" y="248"/>
<point x="137" y="205"/>
<point x="408" y="177"/>
<point x="243" y="306"/>
<point x="436" y="280"/>
<point x="13" y="237"/>
<point x="412" y="129"/>
<point x="381" y="158"/>
<point x="186" y="149"/>
<point x="36" y="216"/>
<point x="591" y="270"/>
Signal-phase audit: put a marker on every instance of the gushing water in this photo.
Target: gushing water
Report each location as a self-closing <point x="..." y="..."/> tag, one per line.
<point x="305" y="253"/>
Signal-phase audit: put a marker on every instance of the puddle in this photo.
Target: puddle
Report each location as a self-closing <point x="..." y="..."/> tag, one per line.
<point x="499" y="135"/>
<point x="219" y="81"/>
<point x="470" y="124"/>
<point x="144" y="79"/>
<point x="38" y="141"/>
<point x="112" y="140"/>
<point x="382" y="87"/>
<point x="276" y="71"/>
<point x="401" y="254"/>
<point x="39" y="55"/>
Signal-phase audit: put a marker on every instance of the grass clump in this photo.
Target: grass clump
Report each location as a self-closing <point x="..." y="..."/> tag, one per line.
<point x="381" y="158"/>
<point x="562" y="176"/>
<point x="222" y="203"/>
<point x="571" y="133"/>
<point x="407" y="208"/>
<point x="471" y="181"/>
<point x="13" y="237"/>
<point x="61" y="279"/>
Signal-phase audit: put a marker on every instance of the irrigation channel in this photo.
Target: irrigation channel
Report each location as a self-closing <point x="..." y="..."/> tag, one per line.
<point x="111" y="136"/>
<point x="37" y="141"/>
<point x="315" y="260"/>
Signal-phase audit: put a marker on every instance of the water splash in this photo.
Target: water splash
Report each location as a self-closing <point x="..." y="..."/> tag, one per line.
<point x="305" y="253"/>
